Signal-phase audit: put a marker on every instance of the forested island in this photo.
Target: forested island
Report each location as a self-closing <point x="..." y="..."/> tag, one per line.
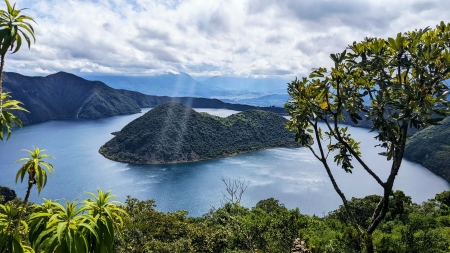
<point x="175" y="133"/>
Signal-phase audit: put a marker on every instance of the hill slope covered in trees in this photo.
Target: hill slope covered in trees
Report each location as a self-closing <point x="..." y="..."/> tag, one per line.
<point x="431" y="148"/>
<point x="173" y="133"/>
<point x="63" y="95"/>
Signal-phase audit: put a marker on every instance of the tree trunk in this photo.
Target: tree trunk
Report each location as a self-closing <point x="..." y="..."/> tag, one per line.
<point x="2" y="64"/>
<point x="31" y="181"/>
<point x="27" y="195"/>
<point x="368" y="243"/>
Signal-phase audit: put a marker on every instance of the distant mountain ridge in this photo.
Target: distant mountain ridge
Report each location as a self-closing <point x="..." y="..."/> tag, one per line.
<point x="174" y="133"/>
<point x="271" y="85"/>
<point x="238" y="90"/>
<point x="174" y="85"/>
<point x="63" y="95"/>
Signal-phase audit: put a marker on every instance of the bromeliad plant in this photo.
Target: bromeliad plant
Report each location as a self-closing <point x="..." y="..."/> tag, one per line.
<point x="59" y="228"/>
<point x="11" y="234"/>
<point x="108" y="216"/>
<point x="77" y="228"/>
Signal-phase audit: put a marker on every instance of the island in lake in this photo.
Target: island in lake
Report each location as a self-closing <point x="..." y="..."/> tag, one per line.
<point x="175" y="133"/>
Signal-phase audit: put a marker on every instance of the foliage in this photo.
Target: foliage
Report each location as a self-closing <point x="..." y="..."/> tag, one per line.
<point x="61" y="228"/>
<point x="36" y="168"/>
<point x="401" y="77"/>
<point x="7" y="119"/>
<point x="233" y="228"/>
<point x="74" y="228"/>
<point x="107" y="215"/>
<point x="11" y="232"/>
<point x="13" y="26"/>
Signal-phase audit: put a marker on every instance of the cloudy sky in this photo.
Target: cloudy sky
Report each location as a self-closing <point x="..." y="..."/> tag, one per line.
<point x="208" y="37"/>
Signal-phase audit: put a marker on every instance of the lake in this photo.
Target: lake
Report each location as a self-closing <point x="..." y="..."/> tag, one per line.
<point x="291" y="175"/>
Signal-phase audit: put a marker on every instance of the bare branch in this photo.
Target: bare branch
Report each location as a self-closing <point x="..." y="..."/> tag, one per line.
<point x="235" y="189"/>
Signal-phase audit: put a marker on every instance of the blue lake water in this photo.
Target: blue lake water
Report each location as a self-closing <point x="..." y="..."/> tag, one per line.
<point x="292" y="176"/>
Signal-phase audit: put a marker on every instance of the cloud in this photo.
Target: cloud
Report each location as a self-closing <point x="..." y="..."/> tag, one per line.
<point x="202" y="37"/>
<point x="86" y="70"/>
<point x="43" y="71"/>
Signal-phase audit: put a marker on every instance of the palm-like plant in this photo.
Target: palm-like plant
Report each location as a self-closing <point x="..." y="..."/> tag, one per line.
<point x="108" y="215"/>
<point x="7" y="119"/>
<point x="10" y="237"/>
<point x="13" y="26"/>
<point x="36" y="168"/>
<point x="62" y="229"/>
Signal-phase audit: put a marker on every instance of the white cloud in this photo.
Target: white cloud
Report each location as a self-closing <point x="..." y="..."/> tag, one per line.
<point x="203" y="37"/>
<point x="43" y="71"/>
<point x="86" y="70"/>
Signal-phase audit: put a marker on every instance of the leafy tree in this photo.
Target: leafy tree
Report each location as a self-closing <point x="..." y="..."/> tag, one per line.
<point x="13" y="26"/>
<point x="401" y="77"/>
<point x="270" y="205"/>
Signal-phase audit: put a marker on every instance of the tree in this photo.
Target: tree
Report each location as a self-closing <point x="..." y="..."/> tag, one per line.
<point x="36" y="169"/>
<point x="403" y="80"/>
<point x="13" y="27"/>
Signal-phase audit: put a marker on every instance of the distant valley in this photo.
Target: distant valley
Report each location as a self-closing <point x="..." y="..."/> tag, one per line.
<point x="238" y="90"/>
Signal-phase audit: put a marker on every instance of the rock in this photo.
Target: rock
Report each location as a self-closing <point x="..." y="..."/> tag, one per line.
<point x="6" y="194"/>
<point x="299" y="247"/>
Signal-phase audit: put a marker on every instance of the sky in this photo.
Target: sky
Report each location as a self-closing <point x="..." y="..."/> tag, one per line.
<point x="257" y="38"/>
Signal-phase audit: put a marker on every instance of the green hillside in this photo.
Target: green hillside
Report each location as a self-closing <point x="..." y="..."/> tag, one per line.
<point x="174" y="133"/>
<point x="431" y="148"/>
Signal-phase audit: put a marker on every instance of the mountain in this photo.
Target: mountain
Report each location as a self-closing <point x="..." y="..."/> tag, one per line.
<point x="233" y="89"/>
<point x="151" y="101"/>
<point x="170" y="84"/>
<point x="277" y="100"/>
<point x="431" y="148"/>
<point x="174" y="133"/>
<point x="270" y="85"/>
<point x="64" y="95"/>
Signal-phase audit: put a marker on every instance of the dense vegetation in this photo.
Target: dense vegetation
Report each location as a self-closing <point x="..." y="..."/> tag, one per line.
<point x="173" y="132"/>
<point x="271" y="227"/>
<point x="431" y="148"/>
